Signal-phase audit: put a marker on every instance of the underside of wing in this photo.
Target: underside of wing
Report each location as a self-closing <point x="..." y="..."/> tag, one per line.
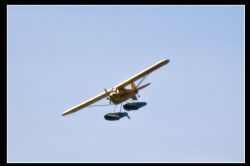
<point x="142" y="74"/>
<point x="86" y="103"/>
<point x="119" y="86"/>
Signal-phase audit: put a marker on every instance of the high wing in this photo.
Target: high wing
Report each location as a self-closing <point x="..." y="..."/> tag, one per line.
<point x="121" y="85"/>
<point x="87" y="103"/>
<point x="142" y="74"/>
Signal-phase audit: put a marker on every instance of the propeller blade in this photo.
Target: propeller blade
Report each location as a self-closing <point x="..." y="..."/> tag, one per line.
<point x="105" y="90"/>
<point x="107" y="94"/>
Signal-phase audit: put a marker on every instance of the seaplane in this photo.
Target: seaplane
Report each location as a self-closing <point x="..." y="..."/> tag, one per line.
<point x="120" y="94"/>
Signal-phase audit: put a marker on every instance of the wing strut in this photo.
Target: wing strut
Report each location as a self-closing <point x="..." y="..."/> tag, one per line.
<point x="141" y="80"/>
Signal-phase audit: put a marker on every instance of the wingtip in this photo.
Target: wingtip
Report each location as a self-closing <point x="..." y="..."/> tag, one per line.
<point x="166" y="60"/>
<point x="64" y="113"/>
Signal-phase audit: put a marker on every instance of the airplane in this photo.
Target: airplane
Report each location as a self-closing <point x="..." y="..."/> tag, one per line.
<point x="119" y="94"/>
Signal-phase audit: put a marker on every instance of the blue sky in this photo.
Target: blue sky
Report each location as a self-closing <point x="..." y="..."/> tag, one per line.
<point x="59" y="56"/>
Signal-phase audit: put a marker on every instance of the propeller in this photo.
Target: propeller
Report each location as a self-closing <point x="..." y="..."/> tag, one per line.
<point x="106" y="90"/>
<point x="107" y="94"/>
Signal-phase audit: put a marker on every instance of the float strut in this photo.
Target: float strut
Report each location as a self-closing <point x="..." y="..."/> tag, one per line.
<point x="115" y="108"/>
<point x="121" y="107"/>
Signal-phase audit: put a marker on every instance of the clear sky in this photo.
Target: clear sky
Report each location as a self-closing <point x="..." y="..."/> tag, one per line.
<point x="60" y="56"/>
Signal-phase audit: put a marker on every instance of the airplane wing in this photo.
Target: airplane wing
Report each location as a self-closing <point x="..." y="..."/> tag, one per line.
<point x="123" y="84"/>
<point x="142" y="74"/>
<point x="86" y="103"/>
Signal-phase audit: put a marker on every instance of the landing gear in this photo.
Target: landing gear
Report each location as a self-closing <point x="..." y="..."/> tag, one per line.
<point x="116" y="115"/>
<point x="133" y="105"/>
<point x="115" y="108"/>
<point x="120" y="107"/>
